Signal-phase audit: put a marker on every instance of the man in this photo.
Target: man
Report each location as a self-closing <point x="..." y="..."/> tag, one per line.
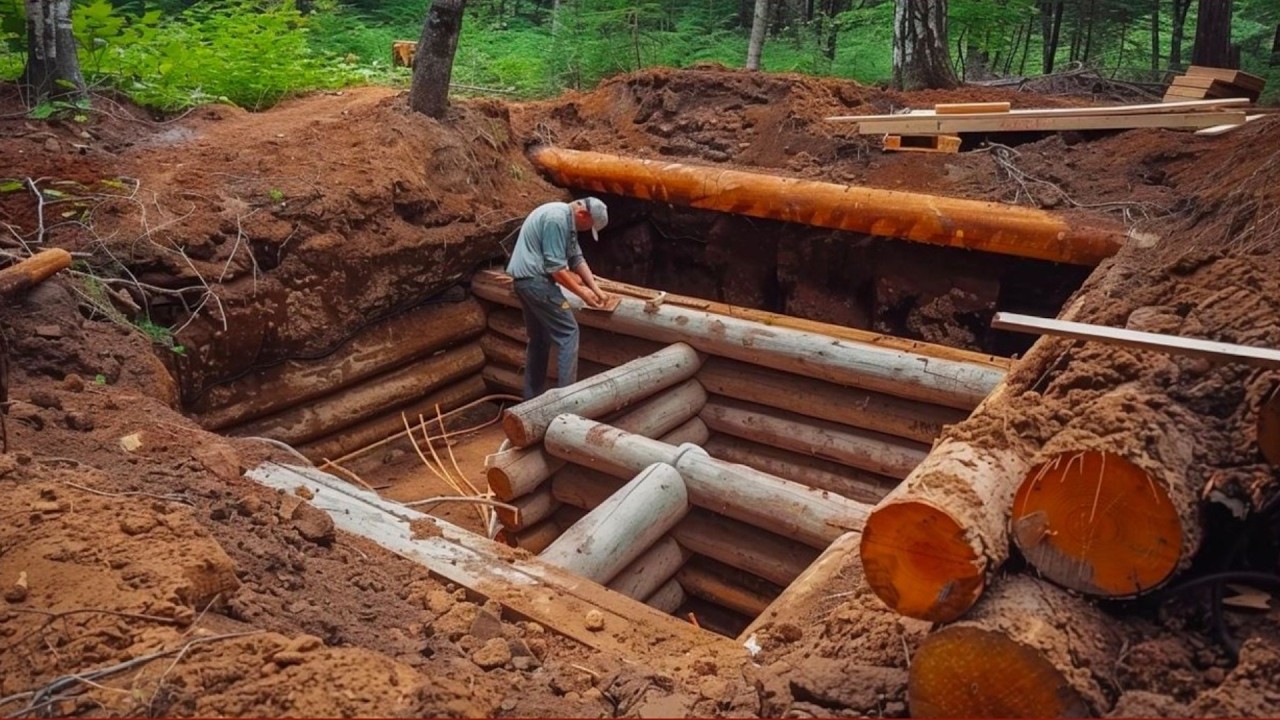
<point x="546" y="257"/>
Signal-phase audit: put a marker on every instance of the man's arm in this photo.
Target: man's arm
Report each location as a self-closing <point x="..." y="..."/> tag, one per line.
<point x="584" y="271"/>
<point x="573" y="282"/>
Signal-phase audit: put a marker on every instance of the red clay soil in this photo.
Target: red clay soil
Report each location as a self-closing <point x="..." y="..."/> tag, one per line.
<point x="128" y="531"/>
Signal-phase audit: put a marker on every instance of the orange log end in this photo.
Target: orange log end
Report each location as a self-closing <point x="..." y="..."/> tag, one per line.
<point x="515" y="429"/>
<point x="920" y="562"/>
<point x="963" y="671"/>
<point x="499" y="483"/>
<point x="1097" y="523"/>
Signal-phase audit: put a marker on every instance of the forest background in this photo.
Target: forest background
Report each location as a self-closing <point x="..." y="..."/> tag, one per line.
<point x="172" y="54"/>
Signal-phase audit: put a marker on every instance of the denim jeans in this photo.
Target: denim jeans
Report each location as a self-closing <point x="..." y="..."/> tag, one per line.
<point x="548" y="321"/>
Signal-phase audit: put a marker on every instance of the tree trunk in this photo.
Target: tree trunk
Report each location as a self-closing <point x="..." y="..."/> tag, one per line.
<point x="759" y="22"/>
<point x="1044" y="654"/>
<point x="595" y="397"/>
<point x="1213" y="35"/>
<point x="1155" y="40"/>
<point x="920" y="58"/>
<point x="952" y="222"/>
<point x="1088" y="35"/>
<point x="1177" y="32"/>
<point x="622" y="528"/>
<point x="53" y="68"/>
<point x="1109" y="507"/>
<point x="433" y="64"/>
<point x="1050" y="28"/>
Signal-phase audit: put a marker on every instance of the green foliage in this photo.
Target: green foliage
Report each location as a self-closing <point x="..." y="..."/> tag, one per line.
<point x="160" y="335"/>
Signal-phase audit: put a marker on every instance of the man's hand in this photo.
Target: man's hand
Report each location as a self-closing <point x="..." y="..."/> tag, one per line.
<point x="593" y="298"/>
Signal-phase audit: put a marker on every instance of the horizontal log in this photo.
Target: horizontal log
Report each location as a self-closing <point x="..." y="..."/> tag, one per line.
<point x="1044" y="653"/>
<point x="937" y="220"/>
<point x="502" y="378"/>
<point x="841" y="404"/>
<point x="368" y="399"/>
<point x="594" y="397"/>
<point x="530" y="509"/>
<point x="864" y="365"/>
<point x="863" y="449"/>
<point x="859" y="485"/>
<point x="537" y="537"/>
<point x="667" y="598"/>
<point x="623" y="527"/>
<point x="517" y="471"/>
<point x="722" y="585"/>
<point x="32" y="271"/>
<point x="692" y="432"/>
<point x="734" y="543"/>
<point x="771" y="503"/>
<point x="804" y="595"/>
<point x="649" y="572"/>
<point x="350" y="439"/>
<point x="607" y="348"/>
<point x="385" y="346"/>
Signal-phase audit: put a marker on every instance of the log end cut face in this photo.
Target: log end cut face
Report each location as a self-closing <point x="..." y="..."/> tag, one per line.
<point x="1097" y="523"/>
<point x="920" y="561"/>
<point x="963" y="671"/>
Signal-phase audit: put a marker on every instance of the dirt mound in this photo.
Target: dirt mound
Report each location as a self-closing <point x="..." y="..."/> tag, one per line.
<point x="291" y="229"/>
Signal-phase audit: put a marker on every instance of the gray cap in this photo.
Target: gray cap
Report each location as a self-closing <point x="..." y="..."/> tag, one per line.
<point x="599" y="215"/>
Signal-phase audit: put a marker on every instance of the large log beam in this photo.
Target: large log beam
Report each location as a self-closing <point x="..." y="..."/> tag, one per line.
<point x="593" y="397"/>
<point x="1026" y="650"/>
<point x="951" y="222"/>
<point x="862" y="449"/>
<point x="1110" y="506"/>
<point x="623" y="527"/>
<point x="385" y="346"/>
<point x="368" y="399"/>
<point x="859" y="485"/>
<point x="350" y="439"/>
<point x="649" y="572"/>
<point x="910" y="375"/>
<point x="724" y="586"/>
<point x="667" y="598"/>
<point x="517" y="471"/>
<point x="734" y="543"/>
<point x="771" y="503"/>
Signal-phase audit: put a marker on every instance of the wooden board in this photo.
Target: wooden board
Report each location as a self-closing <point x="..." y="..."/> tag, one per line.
<point x="1109" y="110"/>
<point x="1178" y="94"/>
<point x="1172" y="344"/>
<point x="940" y="125"/>
<point x="528" y="588"/>
<point x="610" y="304"/>
<point x="975" y="107"/>
<point x="1219" y="129"/>
<point x="1213" y="87"/>
<point x="1235" y="77"/>
<point x="922" y="143"/>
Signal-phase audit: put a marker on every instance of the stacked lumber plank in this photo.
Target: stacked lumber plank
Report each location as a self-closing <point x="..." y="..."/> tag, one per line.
<point x="1209" y="82"/>
<point x="952" y="121"/>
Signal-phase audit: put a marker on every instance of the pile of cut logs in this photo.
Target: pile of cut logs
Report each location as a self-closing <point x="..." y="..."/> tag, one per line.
<point x="782" y="434"/>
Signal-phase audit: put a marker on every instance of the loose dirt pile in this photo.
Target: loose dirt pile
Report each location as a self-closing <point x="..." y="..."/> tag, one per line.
<point x="128" y="531"/>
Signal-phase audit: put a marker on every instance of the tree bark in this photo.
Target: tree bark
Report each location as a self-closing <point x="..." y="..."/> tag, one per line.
<point x="53" y="68"/>
<point x="1155" y="40"/>
<point x="1050" y="26"/>
<point x="1177" y="31"/>
<point x="1044" y="654"/>
<point x="920" y="57"/>
<point x="623" y="527"/>
<point x="433" y="63"/>
<point x="951" y="222"/>
<point x="1213" y="35"/>
<point x="755" y="46"/>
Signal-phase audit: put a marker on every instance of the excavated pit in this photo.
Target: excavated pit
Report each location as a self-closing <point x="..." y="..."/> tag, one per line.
<point x="452" y="382"/>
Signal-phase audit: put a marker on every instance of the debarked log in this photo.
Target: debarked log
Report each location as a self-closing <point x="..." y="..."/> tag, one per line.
<point x="737" y="544"/>
<point x="648" y="573"/>
<point x="367" y="399"/>
<point x="727" y="587"/>
<point x="939" y="220"/>
<point x="859" y="485"/>
<point x="862" y="449"/>
<point x="382" y="347"/>
<point x="32" y="271"/>
<point x="1027" y="649"/>
<point x="840" y="404"/>
<point x="623" y="527"/>
<point x="389" y="423"/>
<point x="1109" y="507"/>
<point x="524" y="424"/>
<point x="517" y="471"/>
<point x="765" y="501"/>
<point x="905" y="374"/>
